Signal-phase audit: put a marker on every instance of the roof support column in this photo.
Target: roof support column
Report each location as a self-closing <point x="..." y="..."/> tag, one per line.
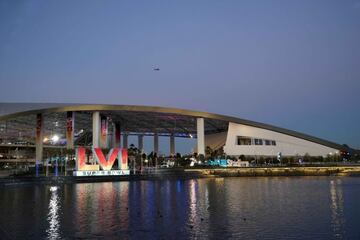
<point x="200" y="126"/>
<point x="116" y="135"/>
<point x="141" y="143"/>
<point x="96" y="129"/>
<point x="156" y="143"/>
<point x="39" y="141"/>
<point x="70" y="120"/>
<point x="156" y="148"/>
<point x="172" y="144"/>
<point x="125" y="140"/>
<point x="104" y="132"/>
<point x="141" y="149"/>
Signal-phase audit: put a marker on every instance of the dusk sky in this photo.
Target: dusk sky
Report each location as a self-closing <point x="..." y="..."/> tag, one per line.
<point x="293" y="64"/>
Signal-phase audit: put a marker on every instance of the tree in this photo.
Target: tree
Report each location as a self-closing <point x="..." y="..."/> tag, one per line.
<point x="151" y="158"/>
<point x="209" y="152"/>
<point x="156" y="159"/>
<point x="178" y="159"/>
<point x="221" y="153"/>
<point x="133" y="151"/>
<point x="306" y="157"/>
<point x="201" y="157"/>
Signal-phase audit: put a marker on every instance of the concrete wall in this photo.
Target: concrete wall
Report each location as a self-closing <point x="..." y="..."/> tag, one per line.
<point x="287" y="145"/>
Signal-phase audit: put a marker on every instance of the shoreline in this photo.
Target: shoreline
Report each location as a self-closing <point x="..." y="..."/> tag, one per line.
<point x="185" y="174"/>
<point x="281" y="171"/>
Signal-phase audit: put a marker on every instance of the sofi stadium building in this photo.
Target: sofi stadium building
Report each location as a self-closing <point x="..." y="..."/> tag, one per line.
<point x="69" y="126"/>
<point x="27" y="129"/>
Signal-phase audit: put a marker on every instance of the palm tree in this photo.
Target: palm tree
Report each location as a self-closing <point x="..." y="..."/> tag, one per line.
<point x="151" y="157"/>
<point x="156" y="159"/>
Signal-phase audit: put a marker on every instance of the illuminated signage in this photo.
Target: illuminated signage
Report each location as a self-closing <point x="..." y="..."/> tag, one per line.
<point x="101" y="173"/>
<point x="104" y="163"/>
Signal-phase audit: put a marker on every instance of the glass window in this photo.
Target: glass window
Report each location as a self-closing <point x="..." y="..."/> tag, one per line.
<point x="243" y="141"/>
<point x="267" y="142"/>
<point x="258" y="141"/>
<point x="273" y="143"/>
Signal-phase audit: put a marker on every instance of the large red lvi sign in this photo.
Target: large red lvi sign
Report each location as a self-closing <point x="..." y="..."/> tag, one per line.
<point x="105" y="163"/>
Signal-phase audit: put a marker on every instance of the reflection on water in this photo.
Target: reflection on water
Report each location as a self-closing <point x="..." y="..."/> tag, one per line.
<point x="221" y="208"/>
<point x="193" y="200"/>
<point x="337" y="208"/>
<point x="53" y="215"/>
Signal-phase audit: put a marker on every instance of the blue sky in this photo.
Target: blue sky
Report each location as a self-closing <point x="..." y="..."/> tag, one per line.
<point x="293" y="64"/>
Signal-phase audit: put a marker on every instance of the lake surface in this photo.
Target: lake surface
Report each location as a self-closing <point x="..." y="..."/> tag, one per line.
<point x="220" y="208"/>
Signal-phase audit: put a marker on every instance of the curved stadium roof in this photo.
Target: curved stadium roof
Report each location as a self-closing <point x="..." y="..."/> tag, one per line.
<point x="139" y="119"/>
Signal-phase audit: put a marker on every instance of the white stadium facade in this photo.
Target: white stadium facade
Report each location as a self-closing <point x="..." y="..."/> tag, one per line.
<point x="26" y="126"/>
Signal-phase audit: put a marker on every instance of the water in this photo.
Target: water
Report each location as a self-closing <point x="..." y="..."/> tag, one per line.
<point x="221" y="208"/>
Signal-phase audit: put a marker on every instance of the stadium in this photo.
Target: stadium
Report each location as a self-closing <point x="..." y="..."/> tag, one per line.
<point x="29" y="131"/>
